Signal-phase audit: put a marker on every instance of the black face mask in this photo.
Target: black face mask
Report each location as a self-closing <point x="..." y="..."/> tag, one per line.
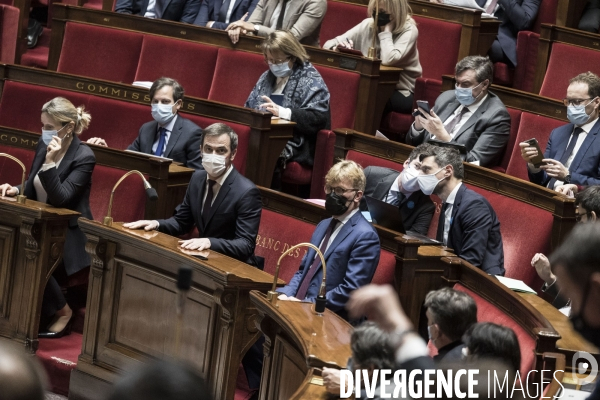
<point x="590" y="334"/>
<point x="336" y="205"/>
<point x="382" y="18"/>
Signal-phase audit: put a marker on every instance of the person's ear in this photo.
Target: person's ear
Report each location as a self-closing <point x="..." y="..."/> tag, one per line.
<point x="177" y="106"/>
<point x="233" y="153"/>
<point x="358" y="197"/>
<point x="593" y="216"/>
<point x="486" y="84"/>
<point x="449" y="171"/>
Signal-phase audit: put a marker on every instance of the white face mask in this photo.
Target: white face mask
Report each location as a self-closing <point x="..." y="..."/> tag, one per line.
<point x="162" y="113"/>
<point x="409" y="179"/>
<point x="427" y="183"/>
<point x="214" y="164"/>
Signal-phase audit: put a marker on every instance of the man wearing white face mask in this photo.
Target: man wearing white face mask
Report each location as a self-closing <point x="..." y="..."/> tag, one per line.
<point x="470" y="115"/>
<point x="402" y="190"/>
<point x="572" y="154"/>
<point x="222" y="204"/>
<point x="169" y="135"/>
<point x="467" y="223"/>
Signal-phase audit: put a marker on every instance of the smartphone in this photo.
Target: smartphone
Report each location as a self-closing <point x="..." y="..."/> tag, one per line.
<point x="424" y="104"/>
<point x="277" y="99"/>
<point x="537" y="160"/>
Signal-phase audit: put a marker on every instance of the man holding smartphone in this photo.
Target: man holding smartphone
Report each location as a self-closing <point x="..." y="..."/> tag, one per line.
<point x="572" y="154"/>
<point x="469" y="115"/>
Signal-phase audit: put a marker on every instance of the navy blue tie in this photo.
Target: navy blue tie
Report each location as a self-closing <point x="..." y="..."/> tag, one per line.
<point x="161" y="142"/>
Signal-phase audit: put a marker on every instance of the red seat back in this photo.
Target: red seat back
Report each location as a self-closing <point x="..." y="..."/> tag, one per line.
<point x="340" y="17"/>
<point x="546" y="14"/>
<point x="437" y="60"/>
<point x="515" y="119"/>
<point x="114" y="57"/>
<point x="488" y="312"/>
<point x="10" y="172"/>
<point x="228" y="84"/>
<point x="324" y="153"/>
<point x="170" y="57"/>
<point x="343" y="89"/>
<point x="385" y="272"/>
<point x="366" y="160"/>
<point x="9" y="29"/>
<point x="531" y="126"/>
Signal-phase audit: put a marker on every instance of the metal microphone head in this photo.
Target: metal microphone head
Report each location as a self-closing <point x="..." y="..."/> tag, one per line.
<point x="151" y="193"/>
<point x="184" y="278"/>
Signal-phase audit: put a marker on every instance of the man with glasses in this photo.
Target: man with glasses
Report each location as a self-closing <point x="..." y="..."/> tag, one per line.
<point x="349" y="244"/>
<point x="470" y="115"/>
<point x="572" y="154"/>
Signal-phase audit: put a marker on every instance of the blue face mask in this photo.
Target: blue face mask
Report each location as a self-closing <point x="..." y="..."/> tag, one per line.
<point x="48" y="134"/>
<point x="465" y="95"/>
<point x="281" y="70"/>
<point x="577" y="114"/>
<point x="162" y="113"/>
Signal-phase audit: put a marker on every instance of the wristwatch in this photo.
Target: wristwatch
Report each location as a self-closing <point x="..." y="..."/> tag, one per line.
<point x="256" y="28"/>
<point x="567" y="179"/>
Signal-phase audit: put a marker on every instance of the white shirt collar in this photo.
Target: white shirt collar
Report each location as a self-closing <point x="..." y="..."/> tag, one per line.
<point x="220" y="180"/>
<point x="452" y="195"/>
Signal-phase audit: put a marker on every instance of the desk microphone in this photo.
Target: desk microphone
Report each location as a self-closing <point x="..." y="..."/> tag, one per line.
<point x="184" y="282"/>
<point x="20" y="198"/>
<point x="150" y="193"/>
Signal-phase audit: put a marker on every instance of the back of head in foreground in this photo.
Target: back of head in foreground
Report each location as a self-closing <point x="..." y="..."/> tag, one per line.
<point x="20" y="376"/>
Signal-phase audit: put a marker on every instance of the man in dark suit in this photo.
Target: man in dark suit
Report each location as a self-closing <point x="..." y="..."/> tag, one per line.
<point x="402" y="189"/>
<point x="172" y="10"/>
<point x="468" y="223"/>
<point x="469" y="115"/>
<point x="223" y="205"/>
<point x="572" y="154"/>
<point x="169" y="135"/>
<point x="218" y="14"/>
<point x="350" y="244"/>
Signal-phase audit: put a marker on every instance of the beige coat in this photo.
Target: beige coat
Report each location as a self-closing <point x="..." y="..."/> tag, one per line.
<point x="398" y="50"/>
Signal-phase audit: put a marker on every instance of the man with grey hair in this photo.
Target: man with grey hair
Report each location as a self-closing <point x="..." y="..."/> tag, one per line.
<point x="470" y="115"/>
<point x="169" y="135"/>
<point x="449" y="314"/>
<point x="222" y="204"/>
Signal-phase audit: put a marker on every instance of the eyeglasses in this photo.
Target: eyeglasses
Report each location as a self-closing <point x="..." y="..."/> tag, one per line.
<point x="574" y="102"/>
<point x="277" y="62"/>
<point x="338" y="190"/>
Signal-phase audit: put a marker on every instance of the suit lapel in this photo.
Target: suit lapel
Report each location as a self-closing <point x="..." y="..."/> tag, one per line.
<point x="455" y="208"/>
<point x="222" y="194"/>
<point x="344" y="231"/>
<point x="446" y="113"/>
<point x="383" y="187"/>
<point x="564" y="142"/>
<point x="290" y="9"/>
<point x="175" y="134"/>
<point x="147" y="141"/>
<point x="585" y="146"/>
<point x="474" y="117"/>
<point x="69" y="156"/>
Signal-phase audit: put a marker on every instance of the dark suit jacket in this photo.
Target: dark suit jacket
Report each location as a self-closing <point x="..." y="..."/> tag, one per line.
<point x="233" y="222"/>
<point x="451" y="352"/>
<point x="514" y="16"/>
<point x="416" y="210"/>
<point x="585" y="168"/>
<point x="67" y="186"/>
<point x="172" y="10"/>
<point x="351" y="261"/>
<point x="485" y="134"/>
<point x="475" y="232"/>
<point x="183" y="146"/>
<point x="209" y="11"/>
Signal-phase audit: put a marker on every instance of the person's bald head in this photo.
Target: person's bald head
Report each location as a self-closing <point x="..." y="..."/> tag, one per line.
<point x="21" y="377"/>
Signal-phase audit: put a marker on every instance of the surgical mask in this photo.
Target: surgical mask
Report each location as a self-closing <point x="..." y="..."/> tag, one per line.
<point x="577" y="114"/>
<point x="48" y="134"/>
<point x="383" y="18"/>
<point x="465" y="95"/>
<point x="589" y="333"/>
<point x="281" y="70"/>
<point x="162" y="113"/>
<point x="214" y="164"/>
<point x="409" y="179"/>
<point x="427" y="183"/>
<point x="335" y="204"/>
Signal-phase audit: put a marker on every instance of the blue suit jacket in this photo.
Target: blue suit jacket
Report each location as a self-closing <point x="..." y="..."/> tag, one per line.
<point x="585" y="168"/>
<point x="475" y="232"/>
<point x="171" y="10"/>
<point x="351" y="261"/>
<point x="515" y="16"/>
<point x="209" y="11"/>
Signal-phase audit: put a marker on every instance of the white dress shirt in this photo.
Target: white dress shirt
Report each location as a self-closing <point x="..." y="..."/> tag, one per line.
<point x="40" y="192"/>
<point x="465" y="117"/>
<point x="150" y="9"/>
<point x="229" y="11"/>
<point x="168" y="127"/>
<point x="448" y="216"/>
<point x="337" y="229"/>
<point x="392" y="195"/>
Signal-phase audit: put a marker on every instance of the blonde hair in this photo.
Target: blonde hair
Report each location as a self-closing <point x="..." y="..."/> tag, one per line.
<point x="347" y="170"/>
<point x="63" y="111"/>
<point x="399" y="10"/>
<point x="287" y="43"/>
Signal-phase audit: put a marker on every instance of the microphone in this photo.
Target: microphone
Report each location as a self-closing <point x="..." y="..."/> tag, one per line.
<point x="184" y="282"/>
<point x="321" y="301"/>
<point x="20" y="198"/>
<point x="150" y="193"/>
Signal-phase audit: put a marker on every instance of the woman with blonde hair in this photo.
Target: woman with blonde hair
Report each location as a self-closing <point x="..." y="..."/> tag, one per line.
<point x="395" y="43"/>
<point x="61" y="175"/>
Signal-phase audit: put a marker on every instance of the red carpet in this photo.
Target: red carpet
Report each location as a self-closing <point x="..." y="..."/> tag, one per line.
<point x="59" y="357"/>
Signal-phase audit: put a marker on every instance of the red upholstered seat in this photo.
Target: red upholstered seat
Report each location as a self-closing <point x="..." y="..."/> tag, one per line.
<point x="516" y="219"/>
<point x="503" y="74"/>
<point x="9" y="26"/>
<point x="546" y="14"/>
<point x="561" y="67"/>
<point x="115" y="56"/>
<point x="527" y="49"/>
<point x="170" y="57"/>
<point x="38" y="56"/>
<point x="531" y="126"/>
<point x="340" y="17"/>
<point x="487" y="312"/>
<point x="366" y="160"/>
<point x="515" y="119"/>
<point x="343" y="88"/>
<point x="228" y="84"/>
<point x="384" y="274"/>
<point x="10" y="172"/>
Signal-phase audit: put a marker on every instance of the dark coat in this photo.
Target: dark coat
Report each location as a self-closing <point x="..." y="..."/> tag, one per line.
<point x="209" y="11"/>
<point x="171" y="10"/>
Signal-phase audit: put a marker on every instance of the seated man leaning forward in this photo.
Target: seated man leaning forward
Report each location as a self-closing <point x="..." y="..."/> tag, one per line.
<point x="470" y="115"/>
<point x="169" y="135"/>
<point x="468" y="223"/>
<point x="223" y="205"/>
<point x="348" y="242"/>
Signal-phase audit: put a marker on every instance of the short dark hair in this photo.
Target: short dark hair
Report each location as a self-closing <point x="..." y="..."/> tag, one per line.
<point x="579" y="254"/>
<point x="589" y="199"/>
<point x="422" y="149"/>
<point x="591" y="79"/>
<point x="160" y="83"/>
<point x="452" y="310"/>
<point x="447" y="156"/>
<point x="161" y="380"/>
<point x="219" y="129"/>
<point x="489" y="340"/>
<point x="371" y="346"/>
<point x="483" y="67"/>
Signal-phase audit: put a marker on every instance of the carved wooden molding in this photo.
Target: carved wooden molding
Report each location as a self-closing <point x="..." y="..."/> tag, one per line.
<point x="31" y="232"/>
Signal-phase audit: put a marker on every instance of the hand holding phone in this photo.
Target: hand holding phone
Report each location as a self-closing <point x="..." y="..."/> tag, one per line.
<point x="537" y="160"/>
<point x="424" y="105"/>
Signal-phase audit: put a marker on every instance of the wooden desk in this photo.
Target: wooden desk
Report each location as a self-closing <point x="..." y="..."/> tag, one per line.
<point x="130" y="312"/>
<point x="32" y="237"/>
<point x="297" y="343"/>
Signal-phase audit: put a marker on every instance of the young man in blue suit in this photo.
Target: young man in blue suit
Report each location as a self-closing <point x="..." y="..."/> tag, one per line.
<point x="468" y="223"/>
<point x="218" y="14"/>
<point x="572" y="155"/>
<point x="348" y="242"/>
